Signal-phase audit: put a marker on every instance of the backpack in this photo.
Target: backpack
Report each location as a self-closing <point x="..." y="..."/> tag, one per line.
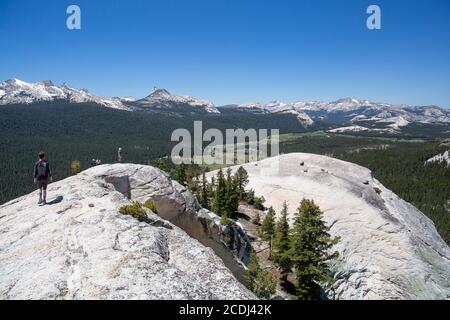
<point x="41" y="167"/>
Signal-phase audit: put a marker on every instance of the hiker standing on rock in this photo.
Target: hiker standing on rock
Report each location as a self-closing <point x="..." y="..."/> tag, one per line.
<point x="42" y="176"/>
<point x="120" y="155"/>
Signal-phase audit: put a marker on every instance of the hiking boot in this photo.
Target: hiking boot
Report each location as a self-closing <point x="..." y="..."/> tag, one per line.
<point x="40" y="201"/>
<point x="43" y="203"/>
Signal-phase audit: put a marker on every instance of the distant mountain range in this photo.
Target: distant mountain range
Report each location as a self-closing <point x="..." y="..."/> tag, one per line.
<point x="344" y="115"/>
<point x="359" y="115"/>
<point x="14" y="91"/>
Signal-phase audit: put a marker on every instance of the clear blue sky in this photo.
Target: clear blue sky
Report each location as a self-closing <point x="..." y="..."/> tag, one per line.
<point x="234" y="51"/>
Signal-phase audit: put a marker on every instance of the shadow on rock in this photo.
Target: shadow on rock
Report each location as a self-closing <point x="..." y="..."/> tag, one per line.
<point x="56" y="200"/>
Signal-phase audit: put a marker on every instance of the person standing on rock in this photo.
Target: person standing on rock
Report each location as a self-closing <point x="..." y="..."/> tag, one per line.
<point x="120" y="155"/>
<point x="42" y="176"/>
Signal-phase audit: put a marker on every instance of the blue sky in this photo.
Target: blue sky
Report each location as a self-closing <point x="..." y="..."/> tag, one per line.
<point x="234" y="51"/>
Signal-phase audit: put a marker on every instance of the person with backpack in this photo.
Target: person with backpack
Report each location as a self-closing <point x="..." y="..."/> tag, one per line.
<point x="42" y="176"/>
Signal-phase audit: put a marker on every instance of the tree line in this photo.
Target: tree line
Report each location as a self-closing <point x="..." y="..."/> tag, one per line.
<point x="303" y="249"/>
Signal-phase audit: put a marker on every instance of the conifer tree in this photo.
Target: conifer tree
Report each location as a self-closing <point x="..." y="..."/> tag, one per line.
<point x="251" y="272"/>
<point x="162" y="165"/>
<point x="203" y="195"/>
<point x="180" y="174"/>
<point x="311" y="245"/>
<point x="242" y="181"/>
<point x="281" y="254"/>
<point x="267" y="229"/>
<point x="211" y="188"/>
<point x="191" y="181"/>
<point x="231" y="196"/>
<point x="219" y="201"/>
<point x="260" y="281"/>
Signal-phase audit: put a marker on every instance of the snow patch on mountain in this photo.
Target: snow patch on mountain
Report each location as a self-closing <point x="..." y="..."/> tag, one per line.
<point x="14" y="91"/>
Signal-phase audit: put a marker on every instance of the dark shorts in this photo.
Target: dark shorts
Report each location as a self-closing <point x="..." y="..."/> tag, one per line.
<point x="42" y="184"/>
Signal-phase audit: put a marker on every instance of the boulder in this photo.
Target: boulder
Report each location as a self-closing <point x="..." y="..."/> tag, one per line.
<point x="79" y="246"/>
<point x="388" y="249"/>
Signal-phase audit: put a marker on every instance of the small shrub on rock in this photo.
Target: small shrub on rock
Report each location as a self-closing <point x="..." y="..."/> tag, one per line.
<point x="151" y="205"/>
<point x="134" y="209"/>
<point x="75" y="167"/>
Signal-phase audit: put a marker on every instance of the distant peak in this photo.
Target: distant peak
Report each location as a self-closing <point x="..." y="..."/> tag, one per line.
<point x="46" y="83"/>
<point x="15" y="81"/>
<point x="159" y="92"/>
<point x="347" y="100"/>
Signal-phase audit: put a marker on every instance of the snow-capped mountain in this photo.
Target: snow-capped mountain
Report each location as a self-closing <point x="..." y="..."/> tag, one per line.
<point x="349" y="111"/>
<point x="14" y="91"/>
<point x="275" y="107"/>
<point x="161" y="99"/>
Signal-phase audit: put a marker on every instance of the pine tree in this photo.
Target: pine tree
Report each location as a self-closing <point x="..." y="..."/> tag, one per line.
<point x="267" y="229"/>
<point x="242" y="181"/>
<point x="203" y="195"/>
<point x="231" y="195"/>
<point x="219" y="201"/>
<point x="261" y="282"/>
<point x="191" y="181"/>
<point x="180" y="174"/>
<point x="281" y="254"/>
<point x="311" y="244"/>
<point x="251" y="272"/>
<point x="250" y="197"/>
<point x="224" y="219"/>
<point x="162" y="165"/>
<point x="211" y="188"/>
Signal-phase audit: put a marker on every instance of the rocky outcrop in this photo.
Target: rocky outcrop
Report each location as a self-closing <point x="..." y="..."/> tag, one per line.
<point x="388" y="248"/>
<point x="80" y="247"/>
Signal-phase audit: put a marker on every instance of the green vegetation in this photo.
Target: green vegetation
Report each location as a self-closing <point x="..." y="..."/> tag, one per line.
<point x="281" y="253"/>
<point x="75" y="167"/>
<point x="311" y="245"/>
<point x="241" y="181"/>
<point x="261" y="282"/>
<point x="134" y="209"/>
<point x="253" y="200"/>
<point x="151" y="205"/>
<point x="305" y="249"/>
<point x="86" y="131"/>
<point x="267" y="229"/>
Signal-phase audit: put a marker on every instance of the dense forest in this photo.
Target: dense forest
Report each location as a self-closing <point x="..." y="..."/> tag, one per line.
<point x="69" y="132"/>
